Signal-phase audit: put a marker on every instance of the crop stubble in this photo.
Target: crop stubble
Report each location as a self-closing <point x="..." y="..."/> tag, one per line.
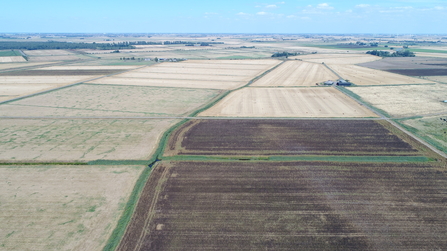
<point x="288" y="102"/>
<point x="62" y="207"/>
<point x="296" y="73"/>
<point x="365" y="76"/>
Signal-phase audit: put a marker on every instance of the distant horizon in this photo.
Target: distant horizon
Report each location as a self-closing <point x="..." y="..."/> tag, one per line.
<point x="218" y="33"/>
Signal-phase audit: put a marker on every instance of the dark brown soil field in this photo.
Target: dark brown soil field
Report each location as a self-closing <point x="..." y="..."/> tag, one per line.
<point x="407" y="63"/>
<point x="59" y="72"/>
<point x="420" y="72"/>
<point x="290" y="206"/>
<point x="287" y="137"/>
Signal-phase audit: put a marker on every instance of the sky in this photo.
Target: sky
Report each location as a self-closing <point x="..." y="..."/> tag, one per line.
<point x="230" y="16"/>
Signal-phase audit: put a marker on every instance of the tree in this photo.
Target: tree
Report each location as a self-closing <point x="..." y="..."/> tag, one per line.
<point x="156" y="59"/>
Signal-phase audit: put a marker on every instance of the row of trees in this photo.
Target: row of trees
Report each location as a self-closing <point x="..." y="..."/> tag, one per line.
<point x="284" y="54"/>
<point x="402" y="53"/>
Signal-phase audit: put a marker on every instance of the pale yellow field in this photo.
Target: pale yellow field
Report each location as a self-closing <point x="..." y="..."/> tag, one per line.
<point x="329" y="55"/>
<point x="45" y="79"/>
<point x="55" y="58"/>
<point x="426" y="54"/>
<point x="82" y="67"/>
<point x="213" y="74"/>
<point x="87" y="100"/>
<point x="366" y="76"/>
<point x="180" y="83"/>
<point x="9" y="91"/>
<point x="442" y="79"/>
<point x="62" y="207"/>
<point x="12" y="59"/>
<point x="20" y="64"/>
<point x="345" y="60"/>
<point x="288" y="102"/>
<point x="296" y="73"/>
<point x="405" y="100"/>
<point x="47" y="52"/>
<point x="69" y="140"/>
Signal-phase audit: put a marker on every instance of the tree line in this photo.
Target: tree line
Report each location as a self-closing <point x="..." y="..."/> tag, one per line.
<point x="402" y="53"/>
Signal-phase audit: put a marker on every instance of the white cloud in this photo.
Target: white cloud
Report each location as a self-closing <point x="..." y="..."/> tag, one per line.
<point x="271" y="6"/>
<point x="261" y="13"/>
<point x="324" y="6"/>
<point x="440" y="8"/>
<point x="291" y="16"/>
<point x="362" y="6"/>
<point x="243" y="14"/>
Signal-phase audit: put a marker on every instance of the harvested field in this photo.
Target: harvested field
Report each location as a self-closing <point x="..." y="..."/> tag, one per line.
<point x="212" y="74"/>
<point x="287" y="137"/>
<point x="436" y="55"/>
<point x="44" y="79"/>
<point x="338" y="58"/>
<point x="432" y="129"/>
<point x="85" y="67"/>
<point x="12" y="59"/>
<point x="9" y="91"/>
<point x="18" y="65"/>
<point x="365" y="76"/>
<point x="296" y="73"/>
<point x="62" y="207"/>
<point x="88" y="100"/>
<point x="60" y="72"/>
<point x="79" y="140"/>
<point x="405" y="100"/>
<point x="47" y="52"/>
<point x="290" y="206"/>
<point x="56" y="58"/>
<point x="288" y="102"/>
<point x="441" y="79"/>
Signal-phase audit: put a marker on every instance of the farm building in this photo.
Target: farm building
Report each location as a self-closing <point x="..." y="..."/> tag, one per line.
<point x="343" y="82"/>
<point x="329" y="82"/>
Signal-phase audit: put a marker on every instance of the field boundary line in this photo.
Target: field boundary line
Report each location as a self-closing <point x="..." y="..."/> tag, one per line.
<point x="66" y="86"/>
<point x="327" y="66"/>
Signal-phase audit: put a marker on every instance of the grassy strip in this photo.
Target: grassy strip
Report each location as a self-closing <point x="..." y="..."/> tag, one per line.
<point x="129" y="209"/>
<point x="427" y="50"/>
<point x="43" y="164"/>
<point x="119" y="162"/>
<point x="378" y="159"/>
<point x="422" y="136"/>
<point x="260" y="76"/>
<point x="358" y="98"/>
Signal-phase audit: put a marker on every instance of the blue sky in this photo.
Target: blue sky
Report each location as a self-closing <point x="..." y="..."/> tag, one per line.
<point x="230" y="16"/>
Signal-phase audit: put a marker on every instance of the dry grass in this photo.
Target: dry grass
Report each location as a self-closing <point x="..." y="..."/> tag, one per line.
<point x="9" y="91"/>
<point x="12" y="59"/>
<point x="110" y="101"/>
<point x="213" y="74"/>
<point x="62" y="207"/>
<point x="20" y="64"/>
<point x="345" y="60"/>
<point x="44" y="79"/>
<point x="82" y="67"/>
<point x="442" y="79"/>
<point x="287" y="102"/>
<point x="47" y="52"/>
<point x="366" y="76"/>
<point x="296" y="73"/>
<point x="68" y="140"/>
<point x="405" y="100"/>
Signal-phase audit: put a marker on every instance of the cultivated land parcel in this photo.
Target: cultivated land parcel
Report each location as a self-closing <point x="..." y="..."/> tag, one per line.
<point x="233" y="150"/>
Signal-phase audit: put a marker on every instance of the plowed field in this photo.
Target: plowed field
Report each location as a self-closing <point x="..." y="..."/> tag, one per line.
<point x="287" y="137"/>
<point x="290" y="206"/>
<point x="287" y="102"/>
<point x="296" y="73"/>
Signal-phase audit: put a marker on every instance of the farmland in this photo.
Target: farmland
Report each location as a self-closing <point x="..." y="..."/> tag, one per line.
<point x="287" y="102"/>
<point x="12" y="59"/>
<point x="62" y="207"/>
<point x="365" y="76"/>
<point x="296" y="73"/>
<point x="290" y="206"/>
<point x="405" y="100"/>
<point x="338" y="58"/>
<point x="241" y="151"/>
<point x="79" y="140"/>
<point x="89" y="100"/>
<point x="194" y="74"/>
<point x="287" y="137"/>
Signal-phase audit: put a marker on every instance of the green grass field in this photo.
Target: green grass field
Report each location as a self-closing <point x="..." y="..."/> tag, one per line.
<point x="9" y="53"/>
